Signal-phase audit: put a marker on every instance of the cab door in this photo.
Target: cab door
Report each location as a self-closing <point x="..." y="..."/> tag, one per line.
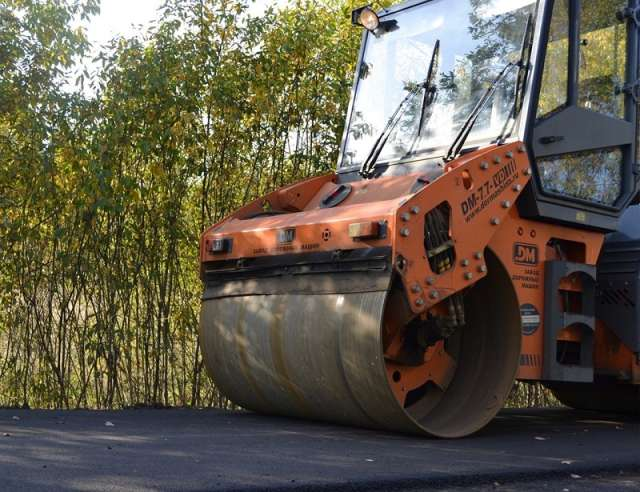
<point x="583" y="135"/>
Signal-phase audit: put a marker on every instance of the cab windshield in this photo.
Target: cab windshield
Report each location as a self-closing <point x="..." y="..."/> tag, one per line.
<point x="477" y="39"/>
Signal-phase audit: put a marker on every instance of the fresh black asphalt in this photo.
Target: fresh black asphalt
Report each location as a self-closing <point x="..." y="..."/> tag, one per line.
<point x="559" y="450"/>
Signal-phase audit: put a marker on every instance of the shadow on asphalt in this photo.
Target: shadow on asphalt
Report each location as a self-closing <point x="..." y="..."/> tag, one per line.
<point x="217" y="450"/>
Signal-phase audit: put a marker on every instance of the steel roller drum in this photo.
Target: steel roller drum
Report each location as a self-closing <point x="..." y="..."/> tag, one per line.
<point x="312" y="356"/>
<point x="320" y="356"/>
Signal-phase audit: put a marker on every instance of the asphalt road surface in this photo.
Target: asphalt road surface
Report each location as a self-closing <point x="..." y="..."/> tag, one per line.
<point x="558" y="450"/>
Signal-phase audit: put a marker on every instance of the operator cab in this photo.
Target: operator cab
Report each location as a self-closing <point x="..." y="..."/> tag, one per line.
<point x="439" y="78"/>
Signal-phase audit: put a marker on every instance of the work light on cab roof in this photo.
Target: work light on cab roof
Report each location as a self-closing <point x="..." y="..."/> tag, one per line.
<point x="365" y="17"/>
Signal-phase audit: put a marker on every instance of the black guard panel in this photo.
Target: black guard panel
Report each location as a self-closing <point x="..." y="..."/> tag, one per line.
<point x="618" y="294"/>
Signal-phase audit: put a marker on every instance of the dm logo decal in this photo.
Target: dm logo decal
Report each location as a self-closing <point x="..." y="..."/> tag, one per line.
<point x="525" y="254"/>
<point x="286" y="236"/>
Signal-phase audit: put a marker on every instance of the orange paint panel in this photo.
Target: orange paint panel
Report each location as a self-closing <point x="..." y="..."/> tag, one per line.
<point x="316" y="228"/>
<point x="517" y="236"/>
<point x="439" y="368"/>
<point x="480" y="189"/>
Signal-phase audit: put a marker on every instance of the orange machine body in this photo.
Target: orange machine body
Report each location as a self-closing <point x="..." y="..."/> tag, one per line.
<point x="480" y="190"/>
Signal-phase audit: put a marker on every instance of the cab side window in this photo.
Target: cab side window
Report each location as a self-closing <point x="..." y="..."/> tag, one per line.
<point x="595" y="176"/>
<point x="555" y="78"/>
<point x="600" y="47"/>
<point x="603" y="57"/>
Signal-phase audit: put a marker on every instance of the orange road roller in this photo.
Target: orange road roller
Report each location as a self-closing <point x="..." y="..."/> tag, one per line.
<point x="479" y="229"/>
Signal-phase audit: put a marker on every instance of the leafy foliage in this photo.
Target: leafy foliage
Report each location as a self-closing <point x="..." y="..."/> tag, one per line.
<point x="104" y="191"/>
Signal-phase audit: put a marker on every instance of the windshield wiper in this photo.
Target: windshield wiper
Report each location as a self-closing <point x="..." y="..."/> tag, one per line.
<point x="430" y="90"/>
<point x="429" y="97"/>
<point x="369" y="164"/>
<point x="463" y="134"/>
<point x="367" y="170"/>
<point x="465" y="130"/>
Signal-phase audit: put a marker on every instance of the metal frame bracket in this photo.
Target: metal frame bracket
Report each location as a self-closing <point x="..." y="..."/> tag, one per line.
<point x="632" y="89"/>
<point x="632" y="13"/>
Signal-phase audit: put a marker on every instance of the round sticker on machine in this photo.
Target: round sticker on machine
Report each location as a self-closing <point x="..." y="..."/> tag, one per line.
<point x="530" y="319"/>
